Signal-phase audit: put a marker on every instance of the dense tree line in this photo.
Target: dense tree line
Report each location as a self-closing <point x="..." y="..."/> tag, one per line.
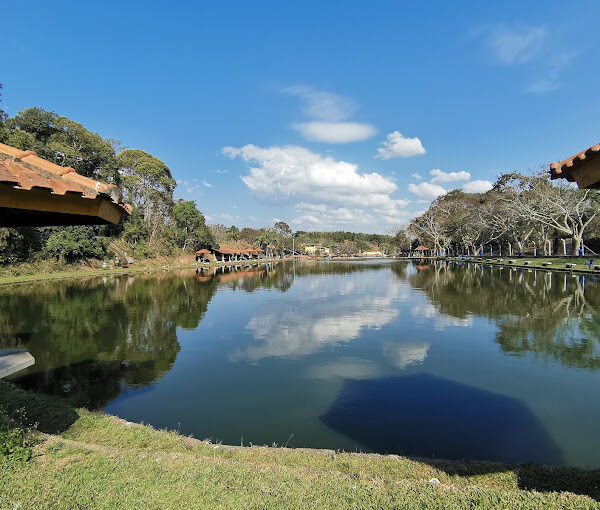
<point x="520" y="213"/>
<point x="282" y="239"/>
<point x="159" y="224"/>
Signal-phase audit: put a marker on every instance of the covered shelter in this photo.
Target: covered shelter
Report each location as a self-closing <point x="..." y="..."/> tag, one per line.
<point x="35" y="192"/>
<point x="582" y="168"/>
<point x="421" y="251"/>
<point x="230" y="252"/>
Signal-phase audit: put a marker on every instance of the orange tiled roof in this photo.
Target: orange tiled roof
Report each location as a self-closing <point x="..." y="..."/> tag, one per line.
<point x="26" y="170"/>
<point x="237" y="248"/>
<point x="564" y="168"/>
<point x="421" y="248"/>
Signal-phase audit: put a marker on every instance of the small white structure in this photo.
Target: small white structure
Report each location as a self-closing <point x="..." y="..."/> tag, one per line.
<point x="13" y="360"/>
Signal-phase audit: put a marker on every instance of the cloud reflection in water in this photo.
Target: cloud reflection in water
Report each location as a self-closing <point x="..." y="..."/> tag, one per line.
<point x="322" y="313"/>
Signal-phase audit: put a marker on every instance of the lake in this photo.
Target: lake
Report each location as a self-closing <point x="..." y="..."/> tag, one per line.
<point x="435" y="360"/>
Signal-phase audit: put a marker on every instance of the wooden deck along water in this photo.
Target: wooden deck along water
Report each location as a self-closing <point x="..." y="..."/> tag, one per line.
<point x="13" y="360"/>
<point x="515" y="264"/>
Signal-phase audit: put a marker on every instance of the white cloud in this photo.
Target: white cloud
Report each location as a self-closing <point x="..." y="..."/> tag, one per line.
<point x="417" y="177"/>
<point x="323" y="105"/>
<point x="477" y="186"/>
<point x="426" y="190"/>
<point x="335" y="132"/>
<point x="208" y="185"/>
<point x="325" y="217"/>
<point x="325" y="191"/>
<point x="443" y="177"/>
<point x="516" y="45"/>
<point x="405" y="354"/>
<point x="329" y="110"/>
<point x="397" y="145"/>
<point x="293" y="171"/>
<point x="222" y="172"/>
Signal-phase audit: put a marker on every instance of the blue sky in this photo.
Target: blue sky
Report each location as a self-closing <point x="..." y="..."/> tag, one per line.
<point x="349" y="115"/>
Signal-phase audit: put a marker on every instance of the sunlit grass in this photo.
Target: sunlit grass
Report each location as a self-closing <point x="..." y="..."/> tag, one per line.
<point x="101" y="461"/>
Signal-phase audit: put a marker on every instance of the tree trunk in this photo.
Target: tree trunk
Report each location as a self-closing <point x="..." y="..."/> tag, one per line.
<point x="577" y="244"/>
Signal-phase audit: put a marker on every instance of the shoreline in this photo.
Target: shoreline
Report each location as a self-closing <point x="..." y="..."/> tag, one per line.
<point x="82" y="272"/>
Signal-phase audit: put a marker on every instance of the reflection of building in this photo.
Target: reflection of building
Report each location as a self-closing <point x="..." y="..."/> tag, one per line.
<point x="582" y="168"/>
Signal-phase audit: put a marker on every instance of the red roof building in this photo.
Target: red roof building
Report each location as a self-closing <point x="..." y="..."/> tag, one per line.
<point x="582" y="168"/>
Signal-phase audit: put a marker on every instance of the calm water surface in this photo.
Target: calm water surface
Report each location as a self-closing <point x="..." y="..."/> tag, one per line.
<point x="431" y="360"/>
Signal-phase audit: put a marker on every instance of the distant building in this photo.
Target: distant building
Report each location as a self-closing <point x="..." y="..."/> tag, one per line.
<point x="317" y="251"/>
<point x="372" y="252"/>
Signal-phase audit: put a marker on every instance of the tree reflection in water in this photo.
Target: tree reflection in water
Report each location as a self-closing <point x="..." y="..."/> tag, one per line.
<point x="553" y="315"/>
<point x="90" y="336"/>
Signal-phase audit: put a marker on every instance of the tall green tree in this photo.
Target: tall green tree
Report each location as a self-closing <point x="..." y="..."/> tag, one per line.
<point x="190" y="228"/>
<point x="233" y="233"/>
<point x="146" y="183"/>
<point x="64" y="142"/>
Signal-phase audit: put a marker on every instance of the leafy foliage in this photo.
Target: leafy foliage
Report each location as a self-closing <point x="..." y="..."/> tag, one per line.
<point x="64" y="142"/>
<point x="75" y="243"/>
<point x="146" y="183"/>
<point x="15" y="443"/>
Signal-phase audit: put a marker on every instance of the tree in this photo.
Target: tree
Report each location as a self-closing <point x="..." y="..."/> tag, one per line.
<point x="147" y="183"/>
<point x="560" y="207"/>
<point x="63" y="141"/>
<point x="191" y="229"/>
<point x="75" y="243"/>
<point x="219" y="233"/>
<point x="233" y="233"/>
<point x="283" y="229"/>
<point x="266" y="239"/>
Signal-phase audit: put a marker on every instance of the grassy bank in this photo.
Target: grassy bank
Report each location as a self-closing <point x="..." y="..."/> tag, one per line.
<point x="30" y="272"/>
<point x="86" y="459"/>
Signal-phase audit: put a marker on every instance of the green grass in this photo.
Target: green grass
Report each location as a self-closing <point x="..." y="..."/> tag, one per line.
<point x="557" y="263"/>
<point x="94" y="460"/>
